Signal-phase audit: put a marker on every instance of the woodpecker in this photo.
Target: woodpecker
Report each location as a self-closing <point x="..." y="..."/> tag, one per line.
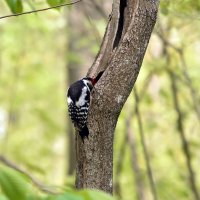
<point x="78" y="99"/>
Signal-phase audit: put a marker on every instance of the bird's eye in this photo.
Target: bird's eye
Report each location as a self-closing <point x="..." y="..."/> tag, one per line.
<point x="89" y="85"/>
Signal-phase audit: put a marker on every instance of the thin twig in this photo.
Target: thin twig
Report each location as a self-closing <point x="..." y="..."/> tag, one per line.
<point x="39" y="10"/>
<point x="119" y="166"/>
<point x="134" y="160"/>
<point x="134" y="157"/>
<point x="180" y="126"/>
<point x="189" y="84"/>
<point x="185" y="145"/>
<point x="37" y="183"/>
<point x="99" y="9"/>
<point x="142" y="136"/>
<point x="184" y="66"/>
<point x="93" y="26"/>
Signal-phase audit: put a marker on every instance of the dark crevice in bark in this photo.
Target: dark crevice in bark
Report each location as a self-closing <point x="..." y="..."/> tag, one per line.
<point x="123" y="4"/>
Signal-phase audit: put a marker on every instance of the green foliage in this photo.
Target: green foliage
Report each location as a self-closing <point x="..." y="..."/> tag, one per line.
<point x="180" y="7"/>
<point x="13" y="184"/>
<point x="2" y="197"/>
<point x="96" y="195"/>
<point x="82" y="195"/>
<point x="57" y="2"/>
<point x="15" y="6"/>
<point x="15" y="187"/>
<point x="33" y="78"/>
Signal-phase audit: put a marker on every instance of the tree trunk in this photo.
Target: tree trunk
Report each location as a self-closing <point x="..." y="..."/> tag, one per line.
<point x="121" y="54"/>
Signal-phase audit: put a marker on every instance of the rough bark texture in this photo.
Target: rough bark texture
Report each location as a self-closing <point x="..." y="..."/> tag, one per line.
<point x="121" y="55"/>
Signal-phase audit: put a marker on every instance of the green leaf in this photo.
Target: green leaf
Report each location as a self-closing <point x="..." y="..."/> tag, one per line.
<point x="164" y="7"/>
<point x="3" y="197"/>
<point x="70" y="196"/>
<point x="15" y="6"/>
<point x="82" y="195"/>
<point x="97" y="195"/>
<point x="55" y="2"/>
<point x="13" y="184"/>
<point x="37" y="197"/>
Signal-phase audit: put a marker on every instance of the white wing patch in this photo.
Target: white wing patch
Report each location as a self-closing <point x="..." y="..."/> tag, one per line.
<point x="81" y="100"/>
<point x="69" y="100"/>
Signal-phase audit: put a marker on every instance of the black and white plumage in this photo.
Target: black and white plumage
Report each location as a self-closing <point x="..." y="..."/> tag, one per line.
<point x="78" y="99"/>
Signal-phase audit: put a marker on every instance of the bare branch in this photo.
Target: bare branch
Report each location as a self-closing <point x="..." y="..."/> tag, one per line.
<point x="180" y="127"/>
<point x="93" y="26"/>
<point x="119" y="166"/>
<point x="99" y="9"/>
<point x="39" y="10"/>
<point x="129" y="138"/>
<point x="193" y="93"/>
<point x="134" y="160"/>
<point x="184" y="68"/>
<point x="142" y="137"/>
<point x="185" y="145"/>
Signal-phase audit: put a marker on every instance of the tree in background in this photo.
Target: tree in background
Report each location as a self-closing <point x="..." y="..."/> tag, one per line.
<point x="164" y="108"/>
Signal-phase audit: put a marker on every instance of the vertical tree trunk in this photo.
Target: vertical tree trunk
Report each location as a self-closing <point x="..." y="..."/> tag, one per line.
<point x="121" y="55"/>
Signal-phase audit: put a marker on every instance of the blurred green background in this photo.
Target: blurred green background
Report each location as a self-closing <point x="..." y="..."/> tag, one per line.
<point x="42" y="53"/>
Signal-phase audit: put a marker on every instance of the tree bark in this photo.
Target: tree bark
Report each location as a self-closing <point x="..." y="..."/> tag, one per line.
<point x="121" y="54"/>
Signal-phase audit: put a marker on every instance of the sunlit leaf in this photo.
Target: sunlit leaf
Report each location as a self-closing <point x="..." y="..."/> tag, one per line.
<point x="164" y="7"/>
<point x="68" y="196"/>
<point x="3" y="197"/>
<point x="82" y="195"/>
<point x="55" y="2"/>
<point x="180" y="6"/>
<point x="58" y="2"/>
<point x="13" y="184"/>
<point x="96" y="195"/>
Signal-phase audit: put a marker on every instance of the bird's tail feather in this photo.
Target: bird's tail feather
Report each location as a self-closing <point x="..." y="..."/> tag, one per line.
<point x="84" y="133"/>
